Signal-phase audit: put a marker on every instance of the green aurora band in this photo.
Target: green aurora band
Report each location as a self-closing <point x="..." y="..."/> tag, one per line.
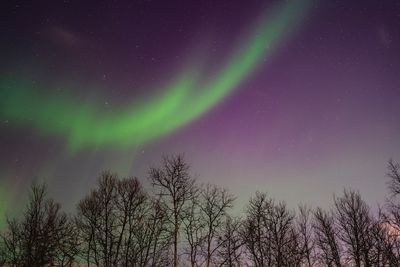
<point x="84" y="124"/>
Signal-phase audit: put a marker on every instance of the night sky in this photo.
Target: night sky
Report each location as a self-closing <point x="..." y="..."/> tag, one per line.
<point x="296" y="98"/>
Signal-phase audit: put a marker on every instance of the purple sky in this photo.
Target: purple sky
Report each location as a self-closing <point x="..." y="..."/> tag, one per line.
<point x="322" y="115"/>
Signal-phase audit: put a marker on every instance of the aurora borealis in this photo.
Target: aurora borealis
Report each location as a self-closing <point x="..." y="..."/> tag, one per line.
<point x="298" y="98"/>
<point x="137" y="123"/>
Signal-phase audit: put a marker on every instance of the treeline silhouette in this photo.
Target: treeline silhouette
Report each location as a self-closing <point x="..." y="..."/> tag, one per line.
<point x="181" y="223"/>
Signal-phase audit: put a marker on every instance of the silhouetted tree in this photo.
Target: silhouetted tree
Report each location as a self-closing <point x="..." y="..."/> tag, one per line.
<point x="229" y="244"/>
<point x="98" y="220"/>
<point x="269" y="233"/>
<point x="325" y="239"/>
<point x="394" y="175"/>
<point x="13" y="245"/>
<point x="391" y="220"/>
<point x="306" y="238"/>
<point x="176" y="188"/>
<point x="149" y="238"/>
<point x="393" y="216"/>
<point x="43" y="237"/>
<point x="384" y="242"/>
<point x="354" y="225"/>
<point x="285" y="246"/>
<point x="2" y="253"/>
<point x="119" y="224"/>
<point x="115" y="223"/>
<point x="194" y="228"/>
<point x="255" y="232"/>
<point x="214" y="203"/>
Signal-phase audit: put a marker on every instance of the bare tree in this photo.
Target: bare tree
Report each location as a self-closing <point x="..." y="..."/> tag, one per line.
<point x="194" y="228"/>
<point x="285" y="245"/>
<point x="149" y="238"/>
<point x="13" y="244"/>
<point x="270" y="234"/>
<point x="68" y="246"/>
<point x="385" y="242"/>
<point x="393" y="216"/>
<point x="354" y="226"/>
<point x="306" y="234"/>
<point x="87" y="221"/>
<point x="42" y="237"/>
<point x="98" y="221"/>
<point x="214" y="203"/>
<point x="255" y="231"/>
<point x="160" y="236"/>
<point x="325" y="238"/>
<point x="130" y="205"/>
<point x="2" y="253"/>
<point x="119" y="224"/>
<point x="394" y="175"/>
<point x="391" y="219"/>
<point x="177" y="188"/>
<point x="229" y="243"/>
<point x="110" y="220"/>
